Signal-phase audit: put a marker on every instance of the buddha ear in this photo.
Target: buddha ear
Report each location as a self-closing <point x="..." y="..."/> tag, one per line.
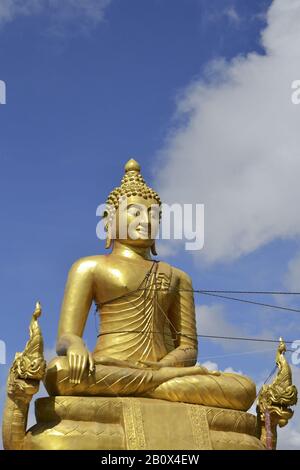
<point x="153" y="249"/>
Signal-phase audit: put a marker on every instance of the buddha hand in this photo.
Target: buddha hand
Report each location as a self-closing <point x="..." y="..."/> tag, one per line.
<point x="79" y="358"/>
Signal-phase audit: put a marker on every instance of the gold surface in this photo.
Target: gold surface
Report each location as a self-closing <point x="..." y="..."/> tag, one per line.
<point x="138" y="423"/>
<point x="140" y="388"/>
<point x="23" y="382"/>
<point x="275" y="400"/>
<point x="147" y="344"/>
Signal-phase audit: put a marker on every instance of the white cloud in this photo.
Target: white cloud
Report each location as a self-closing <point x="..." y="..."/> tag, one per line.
<point x="236" y="145"/>
<point x="213" y="320"/>
<point x="232" y="15"/>
<point x="209" y="365"/>
<point x="92" y="10"/>
<point x="214" y="366"/>
<point x="10" y="8"/>
<point x="166" y="249"/>
<point x="292" y="276"/>
<point x="86" y="10"/>
<point x="211" y="14"/>
<point x="230" y="370"/>
<point x="216" y="320"/>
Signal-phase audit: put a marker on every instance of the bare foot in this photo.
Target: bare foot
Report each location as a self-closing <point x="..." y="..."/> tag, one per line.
<point x="168" y="373"/>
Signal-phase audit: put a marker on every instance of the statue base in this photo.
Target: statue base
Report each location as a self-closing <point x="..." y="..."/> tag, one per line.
<point x="101" y="423"/>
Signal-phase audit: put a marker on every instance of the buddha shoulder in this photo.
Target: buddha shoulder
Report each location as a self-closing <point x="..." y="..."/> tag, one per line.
<point x="99" y="266"/>
<point x="88" y="266"/>
<point x="182" y="277"/>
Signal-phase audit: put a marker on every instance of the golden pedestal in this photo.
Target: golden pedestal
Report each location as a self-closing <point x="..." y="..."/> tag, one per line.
<point x="103" y="423"/>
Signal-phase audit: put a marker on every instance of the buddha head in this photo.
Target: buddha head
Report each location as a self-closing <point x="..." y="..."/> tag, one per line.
<point x="132" y="212"/>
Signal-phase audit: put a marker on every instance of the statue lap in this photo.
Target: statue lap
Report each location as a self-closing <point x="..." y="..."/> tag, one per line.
<point x="227" y="390"/>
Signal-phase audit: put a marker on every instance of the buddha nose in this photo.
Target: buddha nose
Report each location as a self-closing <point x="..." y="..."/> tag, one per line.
<point x="144" y="218"/>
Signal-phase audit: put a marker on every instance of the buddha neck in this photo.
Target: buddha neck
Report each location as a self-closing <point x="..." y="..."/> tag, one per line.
<point x="131" y="252"/>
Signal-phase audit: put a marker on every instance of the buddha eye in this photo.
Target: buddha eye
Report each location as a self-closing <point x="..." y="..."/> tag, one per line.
<point x="134" y="211"/>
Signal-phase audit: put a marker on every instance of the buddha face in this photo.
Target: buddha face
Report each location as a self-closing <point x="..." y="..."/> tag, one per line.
<point x="137" y="221"/>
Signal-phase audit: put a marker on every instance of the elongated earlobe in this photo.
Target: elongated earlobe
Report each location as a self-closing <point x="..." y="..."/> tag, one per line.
<point x="108" y="243"/>
<point x="153" y="249"/>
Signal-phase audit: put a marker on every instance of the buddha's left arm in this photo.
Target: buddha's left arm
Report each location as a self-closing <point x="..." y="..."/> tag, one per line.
<point x="182" y="317"/>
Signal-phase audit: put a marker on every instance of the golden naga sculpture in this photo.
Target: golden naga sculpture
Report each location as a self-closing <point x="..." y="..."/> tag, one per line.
<point x="141" y="387"/>
<point x="24" y="378"/>
<point x="275" y="400"/>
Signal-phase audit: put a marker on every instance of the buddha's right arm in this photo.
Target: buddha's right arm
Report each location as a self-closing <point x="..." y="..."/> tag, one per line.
<point x="77" y="301"/>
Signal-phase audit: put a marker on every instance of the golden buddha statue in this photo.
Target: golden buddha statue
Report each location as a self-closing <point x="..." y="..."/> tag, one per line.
<point x="143" y="367"/>
<point x="147" y="344"/>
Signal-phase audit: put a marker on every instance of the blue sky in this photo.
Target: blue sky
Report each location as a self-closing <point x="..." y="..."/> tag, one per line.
<point x="86" y="90"/>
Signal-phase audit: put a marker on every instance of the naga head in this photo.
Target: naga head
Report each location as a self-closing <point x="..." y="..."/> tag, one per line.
<point x="278" y="397"/>
<point x="29" y="366"/>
